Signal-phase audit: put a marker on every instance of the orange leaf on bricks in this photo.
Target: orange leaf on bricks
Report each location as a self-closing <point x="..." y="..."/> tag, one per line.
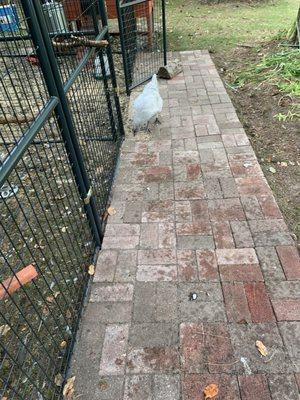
<point x="111" y="211"/>
<point x="210" y="391"/>
<point x="68" y="390"/>
<point x="261" y="348"/>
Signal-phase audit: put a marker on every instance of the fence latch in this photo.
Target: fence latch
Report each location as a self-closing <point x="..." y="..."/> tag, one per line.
<point x="88" y="196"/>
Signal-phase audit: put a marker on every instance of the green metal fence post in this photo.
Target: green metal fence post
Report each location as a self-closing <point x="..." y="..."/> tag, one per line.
<point x="163" y="5"/>
<point x="55" y="88"/>
<point x="123" y="47"/>
<point x="104" y="20"/>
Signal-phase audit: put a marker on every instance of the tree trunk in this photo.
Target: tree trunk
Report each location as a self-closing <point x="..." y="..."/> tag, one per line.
<point x="294" y="32"/>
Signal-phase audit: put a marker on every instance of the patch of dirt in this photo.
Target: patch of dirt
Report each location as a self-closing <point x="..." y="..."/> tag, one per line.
<point x="276" y="143"/>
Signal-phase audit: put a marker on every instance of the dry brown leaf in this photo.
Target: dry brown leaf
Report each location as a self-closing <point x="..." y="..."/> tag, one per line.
<point x="63" y="344"/>
<point x="50" y="299"/>
<point x="68" y="390"/>
<point x="107" y="212"/>
<point x="111" y="211"/>
<point x="91" y="269"/>
<point x="269" y="159"/>
<point x="261" y="348"/>
<point x="103" y="385"/>
<point x="58" y="380"/>
<point x="4" y="329"/>
<point x="211" y="391"/>
<point x="45" y="310"/>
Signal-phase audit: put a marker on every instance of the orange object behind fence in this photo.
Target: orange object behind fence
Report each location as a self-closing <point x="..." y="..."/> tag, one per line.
<point x="72" y="10"/>
<point x="142" y="10"/>
<point x="13" y="283"/>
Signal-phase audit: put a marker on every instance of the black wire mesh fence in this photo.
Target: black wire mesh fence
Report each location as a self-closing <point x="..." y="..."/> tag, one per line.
<point x="88" y="76"/>
<point x="143" y="39"/>
<point x="60" y="131"/>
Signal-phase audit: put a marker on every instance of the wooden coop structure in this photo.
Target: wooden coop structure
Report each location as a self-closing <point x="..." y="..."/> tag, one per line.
<point x="78" y="17"/>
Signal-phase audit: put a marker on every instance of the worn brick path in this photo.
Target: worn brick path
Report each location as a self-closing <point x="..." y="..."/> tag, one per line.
<point x="194" y="214"/>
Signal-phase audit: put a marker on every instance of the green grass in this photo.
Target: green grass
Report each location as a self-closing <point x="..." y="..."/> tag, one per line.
<point x="281" y="69"/>
<point x="221" y="27"/>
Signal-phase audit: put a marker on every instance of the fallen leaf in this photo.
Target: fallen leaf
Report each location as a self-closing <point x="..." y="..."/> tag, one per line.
<point x="91" y="269"/>
<point x="111" y="211"/>
<point x="68" y="390"/>
<point x="45" y="310"/>
<point x="261" y="348"/>
<point x="272" y="169"/>
<point x="210" y="391"/>
<point x="4" y="329"/>
<point x="103" y="385"/>
<point x="50" y="299"/>
<point x="269" y="159"/>
<point x="58" y="380"/>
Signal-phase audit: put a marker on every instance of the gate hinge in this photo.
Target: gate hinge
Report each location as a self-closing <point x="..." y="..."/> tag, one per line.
<point x="88" y="196"/>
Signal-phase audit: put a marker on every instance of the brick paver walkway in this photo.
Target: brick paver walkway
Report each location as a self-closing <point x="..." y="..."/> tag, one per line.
<point x="195" y="217"/>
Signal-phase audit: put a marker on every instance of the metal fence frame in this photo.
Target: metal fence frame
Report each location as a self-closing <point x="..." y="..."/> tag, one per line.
<point x="47" y="59"/>
<point x="57" y="105"/>
<point x="128" y="29"/>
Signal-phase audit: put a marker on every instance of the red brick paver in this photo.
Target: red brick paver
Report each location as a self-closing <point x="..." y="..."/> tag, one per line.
<point x="259" y="303"/>
<point x="290" y="261"/>
<point x="254" y="387"/>
<point x="197" y="263"/>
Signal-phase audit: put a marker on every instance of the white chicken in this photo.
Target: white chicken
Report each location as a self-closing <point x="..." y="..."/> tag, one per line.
<point x="147" y="105"/>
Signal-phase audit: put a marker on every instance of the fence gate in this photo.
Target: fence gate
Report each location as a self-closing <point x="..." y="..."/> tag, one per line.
<point x="60" y="132"/>
<point x="142" y="26"/>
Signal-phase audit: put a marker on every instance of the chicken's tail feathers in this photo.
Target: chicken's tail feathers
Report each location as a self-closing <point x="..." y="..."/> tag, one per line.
<point x="154" y="79"/>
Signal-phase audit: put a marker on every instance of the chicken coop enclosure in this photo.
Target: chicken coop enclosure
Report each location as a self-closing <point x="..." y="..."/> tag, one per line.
<point x="60" y="133"/>
<point x="142" y="26"/>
